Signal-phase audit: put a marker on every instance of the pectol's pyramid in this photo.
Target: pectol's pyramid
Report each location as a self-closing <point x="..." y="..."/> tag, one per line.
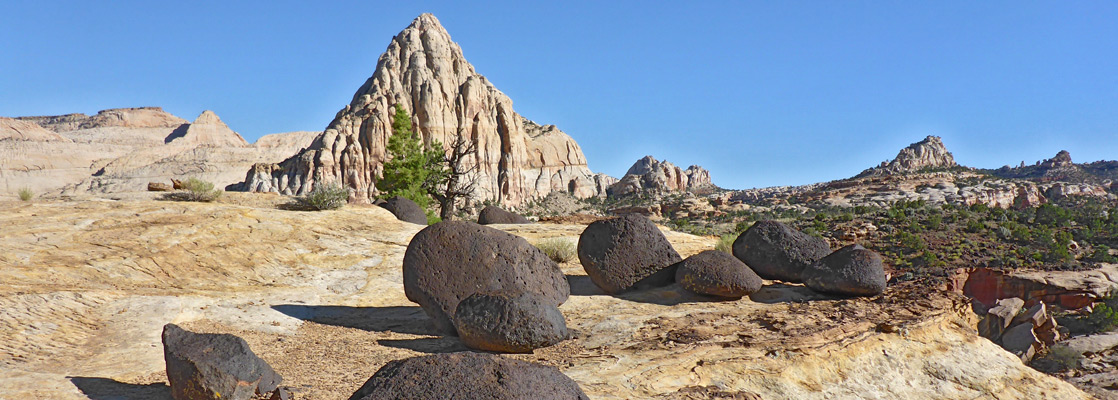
<point x="425" y="72"/>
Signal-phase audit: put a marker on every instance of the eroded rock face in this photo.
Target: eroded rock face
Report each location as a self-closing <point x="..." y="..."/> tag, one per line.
<point x="498" y="215"/>
<point x="626" y="252"/>
<point x="451" y="260"/>
<point x="925" y="154"/>
<point x="777" y="251"/>
<point x="425" y="72"/>
<point x="405" y="210"/>
<point x="717" y="273"/>
<point x="467" y="376"/>
<point x="14" y="129"/>
<point x="509" y="322"/>
<point x="648" y="174"/>
<point x="850" y="271"/>
<point x="214" y="366"/>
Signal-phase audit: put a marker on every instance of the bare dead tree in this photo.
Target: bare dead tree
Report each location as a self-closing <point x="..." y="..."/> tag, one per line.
<point x="460" y="178"/>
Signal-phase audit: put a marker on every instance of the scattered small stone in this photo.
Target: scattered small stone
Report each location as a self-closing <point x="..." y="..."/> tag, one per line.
<point x="159" y="187"/>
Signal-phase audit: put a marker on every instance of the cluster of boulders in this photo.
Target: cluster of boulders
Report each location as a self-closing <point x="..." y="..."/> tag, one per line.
<point x="1022" y="331"/>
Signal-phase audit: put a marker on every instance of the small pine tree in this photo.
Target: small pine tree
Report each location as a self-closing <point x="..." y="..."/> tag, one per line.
<point x="410" y="171"/>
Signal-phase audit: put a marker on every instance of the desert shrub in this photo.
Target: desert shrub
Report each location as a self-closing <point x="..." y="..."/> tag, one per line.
<point x="328" y="196"/>
<point x="200" y="190"/>
<point x="726" y="243"/>
<point x="1059" y="358"/>
<point x="559" y="250"/>
<point x="25" y="194"/>
<point x="1102" y="254"/>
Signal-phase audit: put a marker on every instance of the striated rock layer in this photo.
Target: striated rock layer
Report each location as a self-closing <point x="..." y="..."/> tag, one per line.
<point x="425" y="72"/>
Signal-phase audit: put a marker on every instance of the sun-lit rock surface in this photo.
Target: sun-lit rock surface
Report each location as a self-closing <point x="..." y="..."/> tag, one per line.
<point x="86" y="286"/>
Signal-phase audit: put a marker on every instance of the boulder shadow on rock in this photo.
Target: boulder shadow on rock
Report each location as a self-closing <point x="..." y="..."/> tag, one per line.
<point x="214" y="366"/>
<point x="405" y="210"/>
<point x="467" y="375"/>
<point x="774" y="250"/>
<point x="509" y="322"/>
<point x="497" y="215"/>
<point x="451" y="260"/>
<point x="626" y="253"/>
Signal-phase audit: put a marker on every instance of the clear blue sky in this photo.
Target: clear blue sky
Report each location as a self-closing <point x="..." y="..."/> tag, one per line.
<point x="760" y="93"/>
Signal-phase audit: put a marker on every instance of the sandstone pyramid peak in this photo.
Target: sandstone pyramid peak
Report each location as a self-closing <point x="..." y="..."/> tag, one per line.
<point x="425" y="72"/>
<point x="929" y="153"/>
<point x="649" y="174"/>
<point x="1062" y="159"/>
<point x="207" y="129"/>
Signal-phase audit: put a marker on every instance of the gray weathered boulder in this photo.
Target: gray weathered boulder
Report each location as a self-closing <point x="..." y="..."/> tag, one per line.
<point x="850" y="271"/>
<point x="626" y="252"/>
<point x="467" y="376"/>
<point x="1021" y="340"/>
<point x="509" y="322"/>
<point x="777" y="251"/>
<point x="999" y="318"/>
<point x="451" y="260"/>
<point x="214" y="366"/>
<point x="405" y="210"/>
<point x="717" y="273"/>
<point x="498" y="215"/>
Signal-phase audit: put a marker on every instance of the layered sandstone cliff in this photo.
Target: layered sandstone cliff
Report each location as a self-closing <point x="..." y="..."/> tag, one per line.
<point x="424" y="72"/>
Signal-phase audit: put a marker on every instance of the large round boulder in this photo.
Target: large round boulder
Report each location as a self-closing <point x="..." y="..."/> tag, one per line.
<point x="626" y="252"/>
<point x="717" y="273"/>
<point x="467" y="376"/>
<point x="498" y="215"/>
<point x="509" y="322"/>
<point x="203" y="366"/>
<point x="405" y="210"/>
<point x="451" y="260"/>
<point x="777" y="251"/>
<point x="850" y="271"/>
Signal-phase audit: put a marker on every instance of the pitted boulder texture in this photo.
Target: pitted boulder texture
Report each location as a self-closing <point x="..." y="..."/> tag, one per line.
<point x="717" y="273"/>
<point x="451" y="260"/>
<point x="509" y="322"/>
<point x="777" y="251"/>
<point x="405" y="210"/>
<point x="850" y="271"/>
<point x="626" y="252"/>
<point x="214" y="366"/>
<point x="467" y="376"/>
<point x="498" y="215"/>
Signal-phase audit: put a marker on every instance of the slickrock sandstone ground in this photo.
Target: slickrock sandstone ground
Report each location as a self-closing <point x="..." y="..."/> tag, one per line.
<point x="85" y="288"/>
<point x="424" y="71"/>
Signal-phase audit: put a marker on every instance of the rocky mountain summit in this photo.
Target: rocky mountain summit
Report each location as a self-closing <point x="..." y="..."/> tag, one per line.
<point x="425" y="72"/>
<point x="650" y="175"/>
<point x="926" y="154"/>
<point x="121" y="150"/>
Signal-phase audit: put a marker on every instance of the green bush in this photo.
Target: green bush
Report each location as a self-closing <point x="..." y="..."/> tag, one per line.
<point x="25" y="194"/>
<point x="200" y="190"/>
<point x="559" y="250"/>
<point x="726" y="243"/>
<point x="1061" y="358"/>
<point x="1103" y="318"/>
<point x="327" y="196"/>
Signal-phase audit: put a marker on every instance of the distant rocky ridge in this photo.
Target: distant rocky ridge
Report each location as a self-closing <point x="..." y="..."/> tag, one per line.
<point x="648" y="175"/>
<point x="1061" y="168"/>
<point x="424" y="71"/>
<point x="926" y="154"/>
<point x="121" y="150"/>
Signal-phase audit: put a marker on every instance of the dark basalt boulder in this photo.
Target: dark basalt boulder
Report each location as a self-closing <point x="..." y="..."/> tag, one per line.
<point x="717" y="273"/>
<point x="467" y="376"/>
<point x="405" y="210"/>
<point x="627" y="252"/>
<point x="498" y="215"/>
<point x="214" y="366"/>
<point x="509" y="322"/>
<point x="777" y="251"/>
<point x="850" y="271"/>
<point x="451" y="260"/>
